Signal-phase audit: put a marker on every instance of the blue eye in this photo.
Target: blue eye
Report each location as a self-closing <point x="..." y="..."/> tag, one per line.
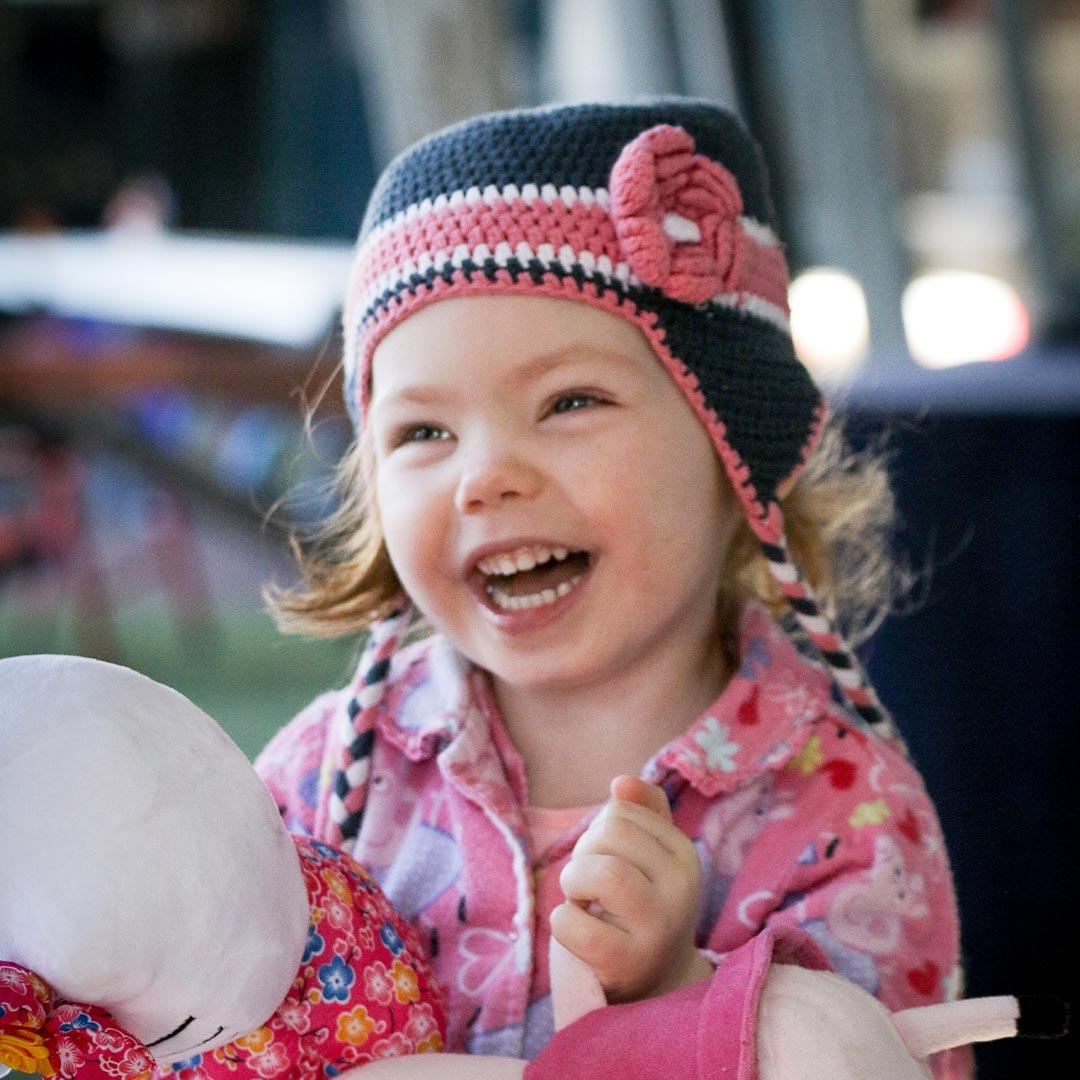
<point x="574" y="402"/>
<point x="420" y="433"/>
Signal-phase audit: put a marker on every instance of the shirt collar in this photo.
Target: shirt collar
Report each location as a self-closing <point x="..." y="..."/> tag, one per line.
<point x="759" y="721"/>
<point x="429" y="699"/>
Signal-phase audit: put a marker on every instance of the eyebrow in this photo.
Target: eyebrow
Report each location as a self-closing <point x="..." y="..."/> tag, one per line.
<point x="568" y="354"/>
<point x="535" y="367"/>
<point x="412" y="395"/>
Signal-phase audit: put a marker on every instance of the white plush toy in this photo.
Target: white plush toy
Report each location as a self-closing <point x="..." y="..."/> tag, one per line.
<point x="155" y="914"/>
<point x="145" y="870"/>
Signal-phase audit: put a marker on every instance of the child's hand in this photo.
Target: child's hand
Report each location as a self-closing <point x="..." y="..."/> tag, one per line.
<point x="632" y="887"/>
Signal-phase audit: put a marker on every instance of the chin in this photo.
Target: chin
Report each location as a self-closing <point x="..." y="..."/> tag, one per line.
<point x="555" y="676"/>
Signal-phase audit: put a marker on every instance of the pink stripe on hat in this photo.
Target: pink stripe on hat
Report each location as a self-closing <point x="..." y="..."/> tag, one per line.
<point x="579" y="234"/>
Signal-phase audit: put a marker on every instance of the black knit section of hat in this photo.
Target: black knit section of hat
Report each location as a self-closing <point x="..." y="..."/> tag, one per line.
<point x="748" y="373"/>
<point x="570" y="144"/>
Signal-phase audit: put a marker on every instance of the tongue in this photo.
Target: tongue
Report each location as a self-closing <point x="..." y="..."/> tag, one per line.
<point x="549" y="576"/>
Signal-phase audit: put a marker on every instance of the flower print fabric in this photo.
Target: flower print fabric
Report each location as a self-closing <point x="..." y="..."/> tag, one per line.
<point x="58" y="1039"/>
<point x="363" y="990"/>
<point x="805" y="823"/>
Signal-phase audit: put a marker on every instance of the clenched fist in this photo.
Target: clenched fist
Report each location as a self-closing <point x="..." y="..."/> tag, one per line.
<point x="632" y="886"/>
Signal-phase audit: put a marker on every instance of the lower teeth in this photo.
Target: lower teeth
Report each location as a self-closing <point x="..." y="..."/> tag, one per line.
<point x="519" y="603"/>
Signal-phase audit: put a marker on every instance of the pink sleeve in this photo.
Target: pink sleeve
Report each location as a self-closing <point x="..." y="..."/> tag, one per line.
<point x="706" y="1031"/>
<point x="857" y="861"/>
<point x="291" y="763"/>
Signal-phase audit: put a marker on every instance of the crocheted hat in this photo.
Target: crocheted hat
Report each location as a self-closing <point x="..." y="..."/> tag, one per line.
<point x="657" y="212"/>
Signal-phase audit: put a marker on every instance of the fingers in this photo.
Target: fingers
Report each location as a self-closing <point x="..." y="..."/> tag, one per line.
<point x="587" y="936"/>
<point x="615" y="836"/>
<point x="632" y="886"/>
<point x="603" y="947"/>
<point x="632" y="789"/>
<point x="633" y="861"/>
<point x="631" y="875"/>
<point x="644" y="834"/>
<point x="609" y="888"/>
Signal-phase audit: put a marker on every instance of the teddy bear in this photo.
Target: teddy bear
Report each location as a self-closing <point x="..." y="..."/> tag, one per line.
<point x="156" y="917"/>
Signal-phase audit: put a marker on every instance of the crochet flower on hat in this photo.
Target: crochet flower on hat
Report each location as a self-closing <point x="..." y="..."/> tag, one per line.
<point x="676" y="215"/>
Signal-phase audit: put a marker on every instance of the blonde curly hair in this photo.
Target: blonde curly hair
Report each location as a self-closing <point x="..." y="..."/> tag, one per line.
<point x="840" y="516"/>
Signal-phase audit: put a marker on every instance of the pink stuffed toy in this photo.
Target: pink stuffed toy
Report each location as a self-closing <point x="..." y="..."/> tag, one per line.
<point x="156" y="916"/>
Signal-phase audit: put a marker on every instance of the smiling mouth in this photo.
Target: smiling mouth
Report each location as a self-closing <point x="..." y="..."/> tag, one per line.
<point x="531" y="577"/>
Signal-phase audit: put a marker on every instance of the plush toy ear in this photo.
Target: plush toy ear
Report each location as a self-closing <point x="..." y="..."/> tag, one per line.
<point x="931" y="1028"/>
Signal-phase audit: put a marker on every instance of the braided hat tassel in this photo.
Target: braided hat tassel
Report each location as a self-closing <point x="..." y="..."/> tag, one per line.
<point x="843" y="665"/>
<point x="341" y="812"/>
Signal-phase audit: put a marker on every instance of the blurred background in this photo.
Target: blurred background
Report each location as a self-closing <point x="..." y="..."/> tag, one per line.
<point x="180" y="182"/>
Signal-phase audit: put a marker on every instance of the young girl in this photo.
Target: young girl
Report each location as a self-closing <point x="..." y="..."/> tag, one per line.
<point x="591" y="485"/>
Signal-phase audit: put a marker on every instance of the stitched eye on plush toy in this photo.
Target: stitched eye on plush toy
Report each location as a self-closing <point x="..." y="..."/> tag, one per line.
<point x="172" y="1034"/>
<point x="157" y="1044"/>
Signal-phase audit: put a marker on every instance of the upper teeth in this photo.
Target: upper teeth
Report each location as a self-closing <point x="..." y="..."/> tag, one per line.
<point x="525" y="558"/>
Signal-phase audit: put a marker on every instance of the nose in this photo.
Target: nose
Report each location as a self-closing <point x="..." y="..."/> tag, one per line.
<point x="493" y="475"/>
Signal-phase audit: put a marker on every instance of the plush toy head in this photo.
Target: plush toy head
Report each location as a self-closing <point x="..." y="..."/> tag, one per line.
<point x="146" y="871"/>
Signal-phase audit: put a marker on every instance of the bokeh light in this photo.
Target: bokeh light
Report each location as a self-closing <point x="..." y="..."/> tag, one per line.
<point x="829" y="322"/>
<point x="956" y="317"/>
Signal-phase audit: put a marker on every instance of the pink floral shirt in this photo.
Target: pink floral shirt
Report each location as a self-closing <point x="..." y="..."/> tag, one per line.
<point x="801" y="818"/>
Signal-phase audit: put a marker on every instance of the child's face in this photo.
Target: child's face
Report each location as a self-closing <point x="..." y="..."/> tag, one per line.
<point x="548" y="498"/>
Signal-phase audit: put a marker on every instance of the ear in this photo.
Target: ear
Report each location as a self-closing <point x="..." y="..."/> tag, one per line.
<point x="575" y="990"/>
<point x="931" y="1028"/>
